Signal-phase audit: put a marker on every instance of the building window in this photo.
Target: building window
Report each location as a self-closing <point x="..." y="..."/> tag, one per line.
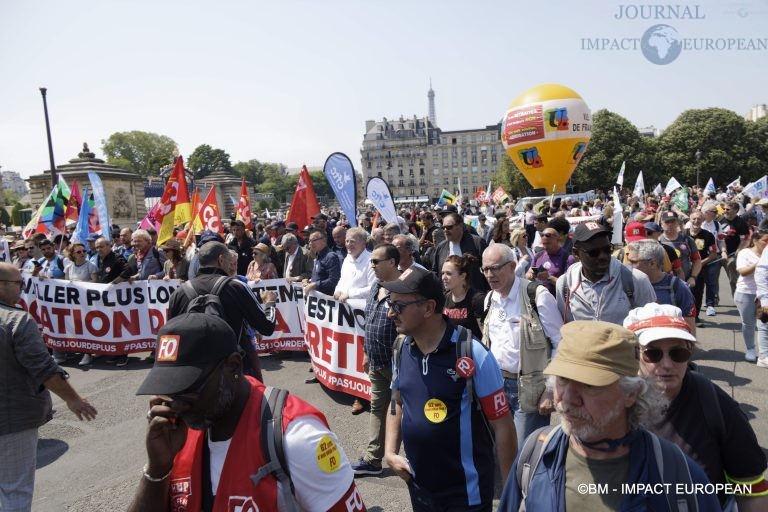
<point x="400" y="183"/>
<point x="400" y="172"/>
<point x="421" y="171"/>
<point x="369" y="165"/>
<point x="413" y="192"/>
<point x="379" y="174"/>
<point x="436" y="171"/>
<point x="422" y="191"/>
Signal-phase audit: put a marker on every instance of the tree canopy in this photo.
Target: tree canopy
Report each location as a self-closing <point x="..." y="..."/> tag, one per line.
<point x="205" y="159"/>
<point x="142" y="152"/>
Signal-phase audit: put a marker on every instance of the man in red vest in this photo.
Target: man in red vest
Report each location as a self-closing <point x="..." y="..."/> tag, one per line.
<point x="204" y="441"/>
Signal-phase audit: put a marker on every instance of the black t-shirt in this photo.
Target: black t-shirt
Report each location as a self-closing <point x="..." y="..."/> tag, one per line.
<point x="685" y="424"/>
<point x="467" y="312"/>
<point x="705" y="242"/>
<point x="734" y="231"/>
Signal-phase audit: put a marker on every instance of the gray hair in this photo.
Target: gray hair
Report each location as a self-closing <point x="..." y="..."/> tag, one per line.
<point x="648" y="250"/>
<point x="358" y="233"/>
<point x="410" y="242"/>
<point x="290" y="239"/>
<point x="208" y="255"/>
<point x="142" y="233"/>
<point x="650" y="403"/>
<point x="392" y="227"/>
<point x="504" y="250"/>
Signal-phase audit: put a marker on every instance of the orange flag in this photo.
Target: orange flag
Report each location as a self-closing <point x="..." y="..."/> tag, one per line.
<point x="208" y="217"/>
<point x="74" y="203"/>
<point x="244" y="207"/>
<point x="175" y="206"/>
<point x="304" y="204"/>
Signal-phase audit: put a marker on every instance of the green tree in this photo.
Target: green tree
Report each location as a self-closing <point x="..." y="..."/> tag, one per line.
<point x="205" y="159"/>
<point x="4" y="217"/>
<point x="10" y="197"/>
<point x="727" y="148"/>
<point x="508" y="176"/>
<point x="322" y="187"/>
<point x="252" y="171"/>
<point x="276" y="181"/>
<point x="142" y="152"/>
<point x="614" y="140"/>
<point x="16" y="213"/>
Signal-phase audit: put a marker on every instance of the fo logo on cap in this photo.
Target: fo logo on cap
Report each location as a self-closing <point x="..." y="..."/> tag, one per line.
<point x="168" y="347"/>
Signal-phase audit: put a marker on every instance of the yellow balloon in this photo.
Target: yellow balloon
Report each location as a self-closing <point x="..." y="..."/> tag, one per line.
<point x="545" y="132"/>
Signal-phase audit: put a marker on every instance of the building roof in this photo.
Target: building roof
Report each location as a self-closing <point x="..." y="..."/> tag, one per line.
<point x="87" y="161"/>
<point x="221" y="176"/>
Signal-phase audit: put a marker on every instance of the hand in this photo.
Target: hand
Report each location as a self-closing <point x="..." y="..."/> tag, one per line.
<point x="82" y="409"/>
<point x="547" y="402"/>
<point x="268" y="296"/>
<point x="342" y="297"/>
<point x="166" y="435"/>
<point x="543" y="275"/>
<point x="152" y="277"/>
<point x="399" y="465"/>
<point x="691" y="282"/>
<point x="763" y="315"/>
<point x="308" y="287"/>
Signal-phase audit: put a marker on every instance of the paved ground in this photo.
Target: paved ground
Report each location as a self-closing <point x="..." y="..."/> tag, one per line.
<point x="96" y="466"/>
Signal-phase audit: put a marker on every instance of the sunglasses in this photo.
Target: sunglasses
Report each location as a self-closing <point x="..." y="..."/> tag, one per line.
<point x="449" y="226"/>
<point x="594" y="253"/>
<point x="676" y="354"/>
<point x="375" y="262"/>
<point x="399" y="307"/>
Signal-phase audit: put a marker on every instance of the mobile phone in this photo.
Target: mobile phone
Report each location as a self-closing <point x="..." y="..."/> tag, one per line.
<point x="536" y="270"/>
<point x="37" y="263"/>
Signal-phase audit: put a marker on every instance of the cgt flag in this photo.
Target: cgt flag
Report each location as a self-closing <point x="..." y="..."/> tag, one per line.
<point x="340" y="173"/>
<point x="175" y="207"/>
<point x="304" y="204"/>
<point x="379" y="194"/>
<point x="208" y="217"/>
<point x="244" y="207"/>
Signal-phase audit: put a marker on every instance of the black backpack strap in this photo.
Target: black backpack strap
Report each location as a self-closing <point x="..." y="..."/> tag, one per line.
<point x="397" y="348"/>
<point x="628" y="283"/>
<point x="531" y="290"/>
<point x="530" y="456"/>
<point x="219" y="285"/>
<point x="673" y="469"/>
<point x="272" y="404"/>
<point x="189" y="290"/>
<point x="464" y="349"/>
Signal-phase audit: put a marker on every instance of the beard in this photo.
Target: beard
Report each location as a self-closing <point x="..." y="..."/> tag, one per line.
<point x="226" y="394"/>
<point x="592" y="429"/>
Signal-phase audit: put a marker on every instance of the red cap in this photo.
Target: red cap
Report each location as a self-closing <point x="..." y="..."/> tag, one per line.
<point x="635" y="231"/>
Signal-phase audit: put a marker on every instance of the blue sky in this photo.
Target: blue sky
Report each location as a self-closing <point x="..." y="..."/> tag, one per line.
<point x="293" y="81"/>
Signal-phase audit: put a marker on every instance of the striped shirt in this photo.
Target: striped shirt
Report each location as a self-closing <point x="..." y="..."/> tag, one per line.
<point x="380" y="331"/>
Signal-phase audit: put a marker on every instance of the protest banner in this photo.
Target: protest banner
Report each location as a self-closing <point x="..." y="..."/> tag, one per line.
<point x="289" y="316"/>
<point x="334" y="334"/>
<point x="97" y="318"/>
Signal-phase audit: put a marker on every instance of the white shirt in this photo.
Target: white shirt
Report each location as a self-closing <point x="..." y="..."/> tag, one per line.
<point x="454" y="248"/>
<point x="289" y="265"/>
<point x="316" y="490"/>
<point x="504" y="324"/>
<point x="746" y="284"/>
<point x="357" y="276"/>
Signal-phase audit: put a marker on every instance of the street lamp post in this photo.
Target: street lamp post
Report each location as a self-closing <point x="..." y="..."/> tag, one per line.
<point x="698" y="166"/>
<point x="54" y="177"/>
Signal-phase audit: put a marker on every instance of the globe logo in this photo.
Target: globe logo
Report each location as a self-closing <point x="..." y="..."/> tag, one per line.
<point x="661" y="44"/>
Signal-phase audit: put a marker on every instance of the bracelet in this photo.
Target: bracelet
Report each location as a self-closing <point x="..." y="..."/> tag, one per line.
<point x="153" y="479"/>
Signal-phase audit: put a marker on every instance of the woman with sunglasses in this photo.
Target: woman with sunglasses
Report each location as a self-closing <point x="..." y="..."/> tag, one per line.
<point x="78" y="268"/>
<point x="261" y="267"/>
<point x="463" y="304"/>
<point x="523" y="254"/>
<point x="704" y="421"/>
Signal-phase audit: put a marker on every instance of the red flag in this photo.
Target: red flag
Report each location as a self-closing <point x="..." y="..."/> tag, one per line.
<point x="244" y="207"/>
<point x="208" y="217"/>
<point x="304" y="204"/>
<point x="74" y="203"/>
<point x="175" y="205"/>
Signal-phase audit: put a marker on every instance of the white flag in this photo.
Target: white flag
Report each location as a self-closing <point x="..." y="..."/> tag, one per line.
<point x="620" y="179"/>
<point x="735" y="183"/>
<point x="618" y="219"/>
<point x="657" y="190"/>
<point x="757" y="189"/>
<point x="710" y="188"/>
<point x="639" y="190"/>
<point x="672" y="185"/>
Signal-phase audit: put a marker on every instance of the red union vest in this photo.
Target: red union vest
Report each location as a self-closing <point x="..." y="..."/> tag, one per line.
<point x="236" y="490"/>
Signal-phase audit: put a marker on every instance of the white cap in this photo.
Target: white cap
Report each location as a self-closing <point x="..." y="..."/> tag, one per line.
<point x="654" y="322"/>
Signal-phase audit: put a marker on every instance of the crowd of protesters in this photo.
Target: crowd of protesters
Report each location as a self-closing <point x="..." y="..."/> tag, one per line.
<point x="553" y="309"/>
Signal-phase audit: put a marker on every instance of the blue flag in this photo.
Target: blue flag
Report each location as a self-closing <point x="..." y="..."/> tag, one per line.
<point x="82" y="229"/>
<point x="100" y="200"/>
<point x="340" y="174"/>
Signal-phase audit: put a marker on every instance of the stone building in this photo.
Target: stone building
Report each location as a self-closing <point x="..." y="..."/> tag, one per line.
<point x="228" y="184"/>
<point x="124" y="189"/>
<point x="418" y="160"/>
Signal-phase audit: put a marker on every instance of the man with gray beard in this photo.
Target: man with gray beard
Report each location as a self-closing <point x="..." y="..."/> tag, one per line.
<point x="601" y="457"/>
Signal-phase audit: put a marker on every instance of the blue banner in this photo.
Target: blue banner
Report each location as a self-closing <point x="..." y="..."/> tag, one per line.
<point x="340" y="174"/>
<point x="82" y="229"/>
<point x="100" y="200"/>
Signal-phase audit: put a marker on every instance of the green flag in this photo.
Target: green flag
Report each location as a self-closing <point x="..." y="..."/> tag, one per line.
<point x="681" y="199"/>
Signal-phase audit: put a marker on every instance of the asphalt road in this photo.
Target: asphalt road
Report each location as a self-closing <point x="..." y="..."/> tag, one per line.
<point x="96" y="466"/>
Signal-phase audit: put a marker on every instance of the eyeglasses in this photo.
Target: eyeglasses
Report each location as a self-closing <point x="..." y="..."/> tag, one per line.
<point x="375" y="262"/>
<point x="494" y="269"/>
<point x="399" y="307"/>
<point x="19" y="282"/>
<point x="594" y="253"/>
<point x="449" y="226"/>
<point x="314" y="239"/>
<point x="548" y="235"/>
<point x="676" y="354"/>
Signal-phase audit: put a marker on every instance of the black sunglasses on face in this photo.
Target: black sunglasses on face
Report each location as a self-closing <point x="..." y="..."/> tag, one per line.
<point x="676" y="354"/>
<point x="594" y="253"/>
<point x="399" y="307"/>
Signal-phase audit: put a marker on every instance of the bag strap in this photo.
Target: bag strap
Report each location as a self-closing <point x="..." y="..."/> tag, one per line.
<point x="628" y="283"/>
<point x="464" y="349"/>
<point x="397" y="347"/>
<point x="272" y="404"/>
<point x="530" y="456"/>
<point x="673" y="468"/>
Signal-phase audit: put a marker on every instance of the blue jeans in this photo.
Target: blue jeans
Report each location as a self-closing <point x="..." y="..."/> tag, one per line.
<point x="745" y="303"/>
<point x="711" y="276"/>
<point x="525" y="422"/>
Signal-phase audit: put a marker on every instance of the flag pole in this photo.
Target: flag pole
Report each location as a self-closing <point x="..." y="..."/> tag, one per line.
<point x="54" y="177"/>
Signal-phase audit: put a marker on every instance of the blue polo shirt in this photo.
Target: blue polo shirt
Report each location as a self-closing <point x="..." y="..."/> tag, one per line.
<point x="446" y="438"/>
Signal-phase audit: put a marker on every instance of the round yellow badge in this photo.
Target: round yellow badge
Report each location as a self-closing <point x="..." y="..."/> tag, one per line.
<point x="435" y="410"/>
<point x="328" y="456"/>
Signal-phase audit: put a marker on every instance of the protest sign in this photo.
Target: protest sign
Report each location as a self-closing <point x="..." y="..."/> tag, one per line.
<point x="289" y="316"/>
<point x="97" y="318"/>
<point x="335" y="334"/>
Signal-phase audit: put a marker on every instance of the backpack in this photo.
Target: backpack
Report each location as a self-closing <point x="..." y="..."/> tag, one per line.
<point x="673" y="283"/>
<point x="272" y="404"/>
<point x="627" y="283"/>
<point x="208" y="303"/>
<point x="670" y="462"/>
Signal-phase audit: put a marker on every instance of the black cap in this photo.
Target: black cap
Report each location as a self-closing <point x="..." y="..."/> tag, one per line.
<point x="419" y="282"/>
<point x="587" y="230"/>
<point x="277" y="224"/>
<point x="320" y="216"/>
<point x="668" y="215"/>
<point x="186" y="346"/>
<point x="237" y="223"/>
<point x="292" y="226"/>
<point x="209" y="236"/>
